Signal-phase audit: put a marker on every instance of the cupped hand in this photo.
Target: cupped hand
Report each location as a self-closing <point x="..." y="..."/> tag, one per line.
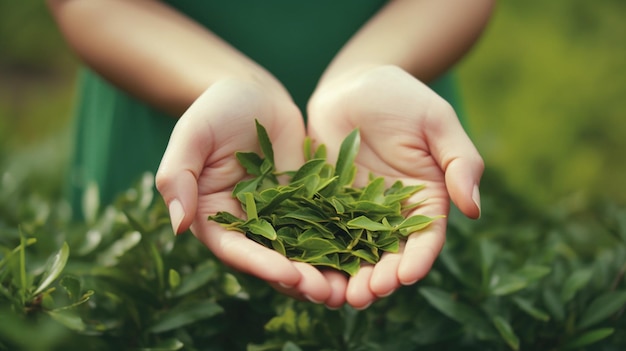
<point x="199" y="170"/>
<point x="408" y="133"/>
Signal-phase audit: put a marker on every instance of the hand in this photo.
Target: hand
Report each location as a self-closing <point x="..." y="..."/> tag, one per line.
<point x="408" y="133"/>
<point x="199" y="170"/>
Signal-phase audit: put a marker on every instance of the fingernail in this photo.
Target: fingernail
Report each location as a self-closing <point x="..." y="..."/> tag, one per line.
<point x="476" y="198"/>
<point x="363" y="307"/>
<point x="385" y="294"/>
<point x="286" y="286"/>
<point x="312" y="299"/>
<point x="332" y="308"/>
<point x="177" y="213"/>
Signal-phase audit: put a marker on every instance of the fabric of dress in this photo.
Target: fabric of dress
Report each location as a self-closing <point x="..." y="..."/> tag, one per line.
<point x="119" y="138"/>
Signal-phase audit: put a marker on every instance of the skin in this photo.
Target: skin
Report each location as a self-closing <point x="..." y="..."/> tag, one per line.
<point x="374" y="83"/>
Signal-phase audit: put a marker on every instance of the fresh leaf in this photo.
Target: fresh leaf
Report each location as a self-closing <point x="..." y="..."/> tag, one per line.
<point x="506" y="331"/>
<point x="574" y="283"/>
<point x="53" y="269"/>
<point x="589" y="338"/>
<point x="265" y="143"/>
<point x="186" y="313"/>
<point x="602" y="308"/>
<point x="344" y="168"/>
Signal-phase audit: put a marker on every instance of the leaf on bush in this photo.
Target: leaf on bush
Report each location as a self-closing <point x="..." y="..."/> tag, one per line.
<point x="68" y="319"/>
<point x="186" y="313"/>
<point x="230" y="285"/>
<point x="200" y="277"/>
<point x="290" y="346"/>
<point x="513" y="282"/>
<point x="72" y="286"/>
<point x="602" y="308"/>
<point x="286" y="322"/>
<point x="91" y="202"/>
<point x="165" y="345"/>
<point x="445" y="303"/>
<point x="506" y="331"/>
<point x="110" y="256"/>
<point x="527" y="307"/>
<point x="53" y="269"/>
<point x="173" y="279"/>
<point x="554" y="304"/>
<point x="574" y="283"/>
<point x="589" y="338"/>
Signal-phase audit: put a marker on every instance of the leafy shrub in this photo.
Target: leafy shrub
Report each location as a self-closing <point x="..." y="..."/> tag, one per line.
<point x="518" y="278"/>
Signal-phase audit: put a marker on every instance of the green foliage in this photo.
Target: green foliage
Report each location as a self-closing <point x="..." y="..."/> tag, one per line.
<point x="318" y="217"/>
<point x="543" y="97"/>
<point x="515" y="280"/>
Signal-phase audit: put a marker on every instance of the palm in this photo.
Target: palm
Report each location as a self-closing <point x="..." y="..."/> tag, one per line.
<point x="199" y="169"/>
<point x="399" y="120"/>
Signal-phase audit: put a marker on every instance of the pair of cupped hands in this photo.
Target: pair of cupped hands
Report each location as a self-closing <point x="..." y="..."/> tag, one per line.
<point x="408" y="133"/>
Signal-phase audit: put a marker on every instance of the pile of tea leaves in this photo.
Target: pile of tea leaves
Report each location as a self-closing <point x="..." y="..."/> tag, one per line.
<point x="318" y="217"/>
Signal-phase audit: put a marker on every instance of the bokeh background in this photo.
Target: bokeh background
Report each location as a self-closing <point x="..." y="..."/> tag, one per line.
<point x="544" y="91"/>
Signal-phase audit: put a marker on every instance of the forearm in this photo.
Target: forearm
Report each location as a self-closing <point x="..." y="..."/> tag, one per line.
<point x="151" y="51"/>
<point x="423" y="37"/>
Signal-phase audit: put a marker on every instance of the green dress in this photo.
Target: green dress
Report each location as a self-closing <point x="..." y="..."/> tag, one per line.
<point x="118" y="138"/>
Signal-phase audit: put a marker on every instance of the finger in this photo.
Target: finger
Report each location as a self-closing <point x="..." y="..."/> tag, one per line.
<point x="420" y="251"/>
<point x="458" y="158"/>
<point x="180" y="167"/>
<point x="384" y="280"/>
<point x="237" y="251"/>
<point x="338" y="285"/>
<point x="313" y="285"/>
<point x="358" y="293"/>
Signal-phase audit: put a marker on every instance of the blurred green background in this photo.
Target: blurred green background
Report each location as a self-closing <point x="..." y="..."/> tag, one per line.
<point x="544" y="90"/>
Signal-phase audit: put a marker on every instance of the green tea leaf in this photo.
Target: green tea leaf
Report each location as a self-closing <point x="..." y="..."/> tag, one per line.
<point x="246" y="186"/>
<point x="602" y="308"/>
<point x="362" y="222"/>
<point x="344" y="168"/>
<point x="250" y="206"/>
<point x="251" y="161"/>
<point x="351" y="267"/>
<point x="225" y="218"/>
<point x="366" y="255"/>
<point x="316" y="247"/>
<point x="311" y="167"/>
<point x="413" y="224"/>
<point x="374" y="191"/>
<point x="262" y="227"/>
<point x="265" y="143"/>
<point x="307" y="148"/>
<point x="398" y="192"/>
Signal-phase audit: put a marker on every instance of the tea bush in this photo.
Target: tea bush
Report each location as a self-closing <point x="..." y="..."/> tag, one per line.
<point x="518" y="279"/>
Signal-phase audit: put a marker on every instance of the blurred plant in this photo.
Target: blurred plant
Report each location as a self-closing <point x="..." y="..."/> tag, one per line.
<point x="517" y="279"/>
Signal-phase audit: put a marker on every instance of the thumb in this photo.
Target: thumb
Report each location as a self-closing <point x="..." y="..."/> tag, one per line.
<point x="178" y="173"/>
<point x="460" y="161"/>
